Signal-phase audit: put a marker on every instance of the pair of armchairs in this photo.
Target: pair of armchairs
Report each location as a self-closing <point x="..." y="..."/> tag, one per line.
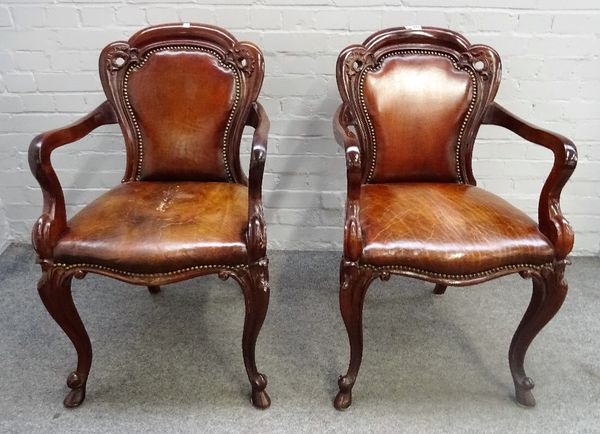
<point x="413" y="100"/>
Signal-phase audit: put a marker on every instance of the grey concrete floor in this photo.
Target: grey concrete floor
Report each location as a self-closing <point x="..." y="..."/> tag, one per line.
<point x="172" y="362"/>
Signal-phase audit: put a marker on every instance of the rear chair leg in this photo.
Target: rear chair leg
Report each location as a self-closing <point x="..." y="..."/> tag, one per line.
<point x="439" y="289"/>
<point x="154" y="289"/>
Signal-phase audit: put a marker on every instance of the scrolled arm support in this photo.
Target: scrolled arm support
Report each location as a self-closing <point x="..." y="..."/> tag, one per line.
<point x="347" y="139"/>
<point x="551" y="221"/>
<point x="257" y="236"/>
<point x="53" y="221"/>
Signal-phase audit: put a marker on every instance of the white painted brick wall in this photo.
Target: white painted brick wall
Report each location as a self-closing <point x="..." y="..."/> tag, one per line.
<point x="550" y="51"/>
<point x="4" y="229"/>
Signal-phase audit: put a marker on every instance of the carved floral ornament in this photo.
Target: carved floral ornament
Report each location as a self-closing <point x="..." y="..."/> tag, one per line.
<point x="119" y="55"/>
<point x="358" y="60"/>
<point x="242" y="58"/>
<point x="477" y="64"/>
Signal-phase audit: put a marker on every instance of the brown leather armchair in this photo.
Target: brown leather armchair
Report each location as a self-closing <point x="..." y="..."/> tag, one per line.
<point x="413" y="101"/>
<point x="182" y="95"/>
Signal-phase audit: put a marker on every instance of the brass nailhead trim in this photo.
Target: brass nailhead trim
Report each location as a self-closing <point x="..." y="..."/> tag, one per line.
<point x="136" y="67"/>
<point x="457" y="276"/>
<point x="462" y="127"/>
<point x="168" y="273"/>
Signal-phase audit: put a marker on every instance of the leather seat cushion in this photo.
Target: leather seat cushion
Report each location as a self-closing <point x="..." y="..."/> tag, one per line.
<point x="157" y="227"/>
<point x="446" y="228"/>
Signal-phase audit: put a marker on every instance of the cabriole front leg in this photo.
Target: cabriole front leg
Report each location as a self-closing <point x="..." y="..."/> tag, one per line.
<point x="55" y="291"/>
<point x="354" y="283"/>
<point x="549" y="292"/>
<point x="255" y="286"/>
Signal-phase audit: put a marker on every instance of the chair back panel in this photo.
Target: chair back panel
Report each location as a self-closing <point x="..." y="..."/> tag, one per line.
<point x="416" y="98"/>
<point x="182" y="95"/>
<point x="181" y="101"/>
<point x="417" y="104"/>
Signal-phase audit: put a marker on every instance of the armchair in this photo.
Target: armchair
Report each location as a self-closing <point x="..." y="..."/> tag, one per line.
<point x="182" y="95"/>
<point x="412" y="103"/>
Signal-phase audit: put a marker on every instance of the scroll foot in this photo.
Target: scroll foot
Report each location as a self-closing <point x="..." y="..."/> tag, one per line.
<point x="77" y="393"/>
<point x="524" y="394"/>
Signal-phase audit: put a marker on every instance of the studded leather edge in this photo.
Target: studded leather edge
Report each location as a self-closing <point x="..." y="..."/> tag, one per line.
<point x="130" y="274"/>
<point x="138" y="134"/>
<point x="400" y="268"/>
<point x="463" y="124"/>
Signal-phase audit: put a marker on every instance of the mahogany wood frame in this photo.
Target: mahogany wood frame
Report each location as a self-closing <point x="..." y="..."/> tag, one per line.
<point x="352" y="133"/>
<point x="55" y="284"/>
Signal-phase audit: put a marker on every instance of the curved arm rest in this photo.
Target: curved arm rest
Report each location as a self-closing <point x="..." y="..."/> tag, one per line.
<point x="348" y="140"/>
<point x="53" y="220"/>
<point x="257" y="237"/>
<point x="342" y="134"/>
<point x="551" y="221"/>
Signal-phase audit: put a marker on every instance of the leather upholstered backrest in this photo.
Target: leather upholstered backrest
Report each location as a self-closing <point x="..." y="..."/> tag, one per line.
<point x="182" y="95"/>
<point x="416" y="98"/>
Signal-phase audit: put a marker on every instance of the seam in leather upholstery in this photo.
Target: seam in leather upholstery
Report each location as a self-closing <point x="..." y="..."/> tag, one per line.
<point x="168" y="273"/>
<point x="137" y="67"/>
<point x="463" y="124"/>
<point x="391" y="268"/>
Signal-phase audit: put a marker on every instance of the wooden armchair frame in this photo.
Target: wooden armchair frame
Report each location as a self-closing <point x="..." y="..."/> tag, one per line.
<point x="352" y="132"/>
<point x="246" y="62"/>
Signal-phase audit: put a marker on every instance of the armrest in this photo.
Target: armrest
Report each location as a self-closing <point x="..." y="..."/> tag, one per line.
<point x="348" y="140"/>
<point x="257" y="238"/>
<point x="53" y="221"/>
<point x="551" y="221"/>
<point x="341" y="132"/>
